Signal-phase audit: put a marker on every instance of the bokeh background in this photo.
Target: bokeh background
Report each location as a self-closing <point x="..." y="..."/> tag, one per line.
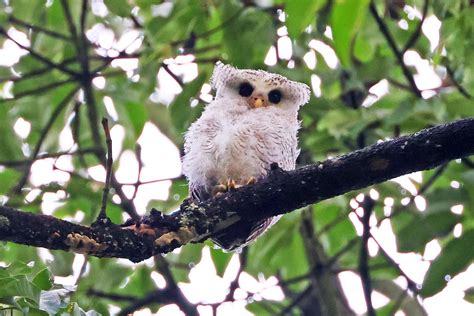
<point x="377" y="70"/>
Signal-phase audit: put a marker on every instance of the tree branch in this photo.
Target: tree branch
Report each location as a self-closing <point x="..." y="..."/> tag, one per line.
<point x="364" y="271"/>
<point x="281" y="192"/>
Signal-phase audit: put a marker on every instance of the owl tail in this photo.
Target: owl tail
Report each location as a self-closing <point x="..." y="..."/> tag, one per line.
<point x="242" y="233"/>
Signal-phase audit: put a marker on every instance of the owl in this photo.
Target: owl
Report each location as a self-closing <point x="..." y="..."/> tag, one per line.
<point x="251" y="123"/>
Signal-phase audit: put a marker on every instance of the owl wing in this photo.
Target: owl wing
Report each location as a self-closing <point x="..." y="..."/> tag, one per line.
<point x="199" y="146"/>
<point x="276" y="143"/>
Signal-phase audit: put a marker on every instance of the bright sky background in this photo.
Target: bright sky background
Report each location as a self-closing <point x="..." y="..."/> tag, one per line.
<point x="161" y="161"/>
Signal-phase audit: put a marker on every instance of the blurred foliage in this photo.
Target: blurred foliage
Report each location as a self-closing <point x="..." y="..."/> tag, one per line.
<point x="347" y="111"/>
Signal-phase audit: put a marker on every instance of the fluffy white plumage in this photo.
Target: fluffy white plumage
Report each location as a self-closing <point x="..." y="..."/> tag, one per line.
<point x="239" y="134"/>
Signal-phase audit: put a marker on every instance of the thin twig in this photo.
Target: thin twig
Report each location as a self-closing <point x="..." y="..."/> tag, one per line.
<point x="17" y="163"/>
<point x="296" y="301"/>
<point x="438" y="172"/>
<point x="416" y="34"/>
<point x="38" y="90"/>
<point x="399" y="84"/>
<point x="206" y="49"/>
<point x="213" y="30"/>
<point x="341" y="217"/>
<point x="85" y="76"/>
<point x="235" y="282"/>
<point x="410" y="283"/>
<point x="425" y="187"/>
<point x="37" y="72"/>
<point x="398" y="303"/>
<point x="155" y="297"/>
<point x="460" y="88"/>
<point x="44" y="132"/>
<point x="38" y="29"/>
<point x="393" y="45"/>
<point x="75" y="128"/>
<point x="364" y="272"/>
<point x="112" y="297"/>
<point x="138" y="183"/>
<point x="83" y="16"/>
<point x="175" y="293"/>
<point x="108" y="176"/>
<point x="348" y="246"/>
<point x="172" y="74"/>
<point x="38" y="56"/>
<point x="138" y="154"/>
<point x="69" y="20"/>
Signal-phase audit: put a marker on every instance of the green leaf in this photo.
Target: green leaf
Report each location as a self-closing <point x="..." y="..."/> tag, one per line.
<point x="389" y="288"/>
<point x="455" y="257"/>
<point x="62" y="263"/>
<point x="469" y="295"/>
<point x="8" y="178"/>
<point x="363" y="50"/>
<point x="190" y="256"/>
<point x="239" y="37"/>
<point x="137" y="116"/>
<point x="272" y="251"/>
<point x="140" y="283"/>
<point x="19" y="268"/>
<point x="119" y="7"/>
<point x="346" y="18"/>
<point x="182" y="114"/>
<point x="300" y="14"/>
<point x="221" y="259"/>
<point x="43" y="279"/>
<point x="415" y="235"/>
<point x="28" y="306"/>
<point x="18" y="286"/>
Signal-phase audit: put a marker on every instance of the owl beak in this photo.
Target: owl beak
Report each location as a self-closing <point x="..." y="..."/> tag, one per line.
<point x="256" y="102"/>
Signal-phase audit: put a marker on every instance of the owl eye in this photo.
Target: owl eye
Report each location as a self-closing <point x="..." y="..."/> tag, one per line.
<point x="245" y="89"/>
<point x="274" y="96"/>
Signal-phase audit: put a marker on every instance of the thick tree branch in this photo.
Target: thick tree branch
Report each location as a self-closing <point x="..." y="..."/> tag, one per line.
<point x="279" y="193"/>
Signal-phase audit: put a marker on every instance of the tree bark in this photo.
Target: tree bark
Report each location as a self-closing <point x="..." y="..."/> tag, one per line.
<point x="281" y="192"/>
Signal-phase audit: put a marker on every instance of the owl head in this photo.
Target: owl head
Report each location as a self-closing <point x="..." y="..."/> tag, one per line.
<point x="258" y="88"/>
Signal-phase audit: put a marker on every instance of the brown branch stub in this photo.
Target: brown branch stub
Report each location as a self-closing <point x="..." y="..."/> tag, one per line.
<point x="279" y="193"/>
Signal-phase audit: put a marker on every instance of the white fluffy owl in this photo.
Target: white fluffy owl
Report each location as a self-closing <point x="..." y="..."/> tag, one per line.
<point x="251" y="123"/>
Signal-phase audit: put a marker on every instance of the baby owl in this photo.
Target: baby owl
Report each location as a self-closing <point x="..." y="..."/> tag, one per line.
<point x="251" y="123"/>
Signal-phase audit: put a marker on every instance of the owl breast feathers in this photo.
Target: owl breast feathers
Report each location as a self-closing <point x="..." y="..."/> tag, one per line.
<point x="251" y="123"/>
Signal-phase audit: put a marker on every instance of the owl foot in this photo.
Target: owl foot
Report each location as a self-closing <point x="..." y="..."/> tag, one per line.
<point x="219" y="189"/>
<point x="251" y="180"/>
<point x="230" y="185"/>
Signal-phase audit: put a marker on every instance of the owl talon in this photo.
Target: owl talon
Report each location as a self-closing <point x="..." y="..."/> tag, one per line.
<point x="251" y="180"/>
<point x="231" y="185"/>
<point x="219" y="189"/>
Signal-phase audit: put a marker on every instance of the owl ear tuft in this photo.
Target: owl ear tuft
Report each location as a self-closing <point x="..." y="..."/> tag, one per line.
<point x="304" y="93"/>
<point x="220" y="75"/>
